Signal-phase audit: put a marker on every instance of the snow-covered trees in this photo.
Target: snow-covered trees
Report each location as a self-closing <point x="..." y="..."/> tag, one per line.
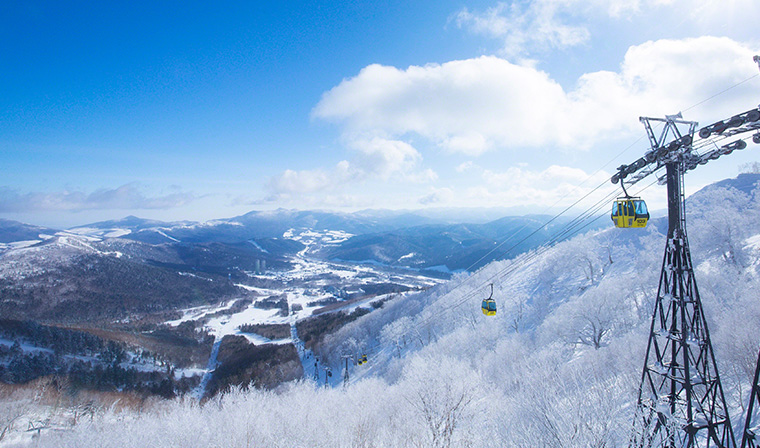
<point x="558" y="366"/>
<point x="590" y="318"/>
<point x="441" y="392"/>
<point x="722" y="219"/>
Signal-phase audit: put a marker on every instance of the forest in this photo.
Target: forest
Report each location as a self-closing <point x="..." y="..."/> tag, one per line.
<point x="85" y="361"/>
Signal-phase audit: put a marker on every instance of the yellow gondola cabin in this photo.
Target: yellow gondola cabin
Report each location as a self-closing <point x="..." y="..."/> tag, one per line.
<point x="630" y="212"/>
<point x="489" y="305"/>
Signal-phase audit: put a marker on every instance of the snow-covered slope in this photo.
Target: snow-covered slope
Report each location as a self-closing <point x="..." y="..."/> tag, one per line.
<point x="539" y="373"/>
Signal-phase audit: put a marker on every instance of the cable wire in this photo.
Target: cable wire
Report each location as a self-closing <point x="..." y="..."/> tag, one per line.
<point x="579" y="223"/>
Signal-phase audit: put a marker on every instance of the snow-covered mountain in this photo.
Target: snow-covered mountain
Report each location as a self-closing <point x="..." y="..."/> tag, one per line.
<point x="382" y="237"/>
<point x="447" y="247"/>
<point x="559" y="365"/>
<point x="259" y="225"/>
<point x="22" y="234"/>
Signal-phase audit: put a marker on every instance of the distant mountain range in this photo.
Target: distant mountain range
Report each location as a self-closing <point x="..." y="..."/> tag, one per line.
<point x="425" y="240"/>
<point x="449" y="247"/>
<point x="260" y="225"/>
<point x="389" y="238"/>
<point x="14" y="231"/>
<point x="112" y="269"/>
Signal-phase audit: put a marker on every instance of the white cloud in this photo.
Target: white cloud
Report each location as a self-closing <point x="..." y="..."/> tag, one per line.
<point x="307" y="180"/>
<point x="311" y="181"/>
<point x="466" y="106"/>
<point x="526" y="25"/>
<point x="422" y="177"/>
<point x="474" y="105"/>
<point x="383" y="158"/>
<point x="442" y="196"/>
<point x="462" y="167"/>
<point x="375" y="158"/>
<point x="521" y="187"/>
<point x="553" y="176"/>
<point x="711" y="13"/>
<point x="125" y="197"/>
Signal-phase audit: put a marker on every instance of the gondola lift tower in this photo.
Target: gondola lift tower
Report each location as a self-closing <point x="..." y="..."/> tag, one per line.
<point x="681" y="403"/>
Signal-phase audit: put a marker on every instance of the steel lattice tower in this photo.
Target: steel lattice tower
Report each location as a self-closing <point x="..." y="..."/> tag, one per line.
<point x="681" y="402"/>
<point x="750" y="439"/>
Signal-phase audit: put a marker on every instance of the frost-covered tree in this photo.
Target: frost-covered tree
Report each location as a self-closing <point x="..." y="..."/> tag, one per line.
<point x="441" y="391"/>
<point x="590" y="318"/>
<point x="396" y="334"/>
<point x="10" y="412"/>
<point x="721" y="219"/>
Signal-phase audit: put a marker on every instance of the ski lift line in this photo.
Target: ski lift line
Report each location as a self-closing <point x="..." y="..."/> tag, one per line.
<point x="570" y="227"/>
<point x="543" y="226"/>
<point x="568" y="230"/>
<point x="537" y="229"/>
<point x="522" y="260"/>
<point x="576" y="221"/>
<point x="721" y="92"/>
<point x="580" y="218"/>
<point x="597" y="207"/>
<point x="506" y="271"/>
<point x="551" y="241"/>
<point x="529" y="257"/>
<point x="540" y="251"/>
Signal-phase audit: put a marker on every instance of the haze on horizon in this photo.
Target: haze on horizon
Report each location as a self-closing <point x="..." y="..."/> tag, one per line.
<point x="205" y="112"/>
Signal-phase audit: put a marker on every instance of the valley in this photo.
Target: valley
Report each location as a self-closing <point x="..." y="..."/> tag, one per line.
<point x="171" y="311"/>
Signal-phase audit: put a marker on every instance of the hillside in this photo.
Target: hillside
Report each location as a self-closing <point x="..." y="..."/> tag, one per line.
<point x="13" y="231"/>
<point x="75" y="278"/>
<point x="453" y="247"/>
<point x="134" y="267"/>
<point x="558" y="366"/>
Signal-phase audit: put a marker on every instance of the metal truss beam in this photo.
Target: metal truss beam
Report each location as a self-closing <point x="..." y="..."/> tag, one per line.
<point x="750" y="439"/>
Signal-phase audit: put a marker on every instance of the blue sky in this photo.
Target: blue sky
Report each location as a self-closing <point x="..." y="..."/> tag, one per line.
<point x="194" y="111"/>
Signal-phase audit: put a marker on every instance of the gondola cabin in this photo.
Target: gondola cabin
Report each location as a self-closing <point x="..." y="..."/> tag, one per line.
<point x="488" y="307"/>
<point x="629" y="212"/>
<point x="364" y="358"/>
